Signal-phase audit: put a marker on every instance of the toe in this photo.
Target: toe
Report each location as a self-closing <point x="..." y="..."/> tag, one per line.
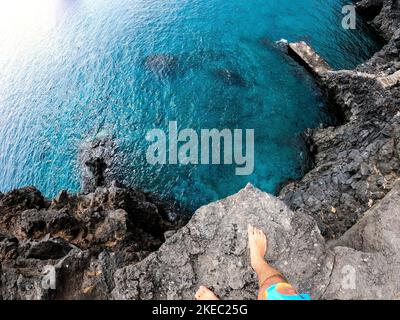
<point x="199" y="292"/>
<point x="249" y="230"/>
<point x="205" y="294"/>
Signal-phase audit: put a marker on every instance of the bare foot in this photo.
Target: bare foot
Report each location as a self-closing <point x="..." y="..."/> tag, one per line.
<point x="258" y="248"/>
<point x="205" y="294"/>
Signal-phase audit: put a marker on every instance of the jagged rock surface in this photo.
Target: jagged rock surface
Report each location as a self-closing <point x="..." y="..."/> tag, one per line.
<point x="84" y="236"/>
<point x="212" y="250"/>
<point x="366" y="259"/>
<point x="97" y="159"/>
<point x="109" y="262"/>
<point x="384" y="15"/>
<point x="355" y="164"/>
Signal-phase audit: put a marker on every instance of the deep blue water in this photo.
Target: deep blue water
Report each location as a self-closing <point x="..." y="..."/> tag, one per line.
<point x="71" y="70"/>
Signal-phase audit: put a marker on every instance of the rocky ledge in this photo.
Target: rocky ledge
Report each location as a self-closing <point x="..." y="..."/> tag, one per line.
<point x="212" y="250"/>
<point x="335" y="233"/>
<point x="357" y="163"/>
<point x="84" y="236"/>
<point x="101" y="251"/>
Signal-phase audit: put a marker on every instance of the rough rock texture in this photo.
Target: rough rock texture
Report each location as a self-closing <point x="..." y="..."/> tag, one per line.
<point x="385" y="15"/>
<point x="212" y="250"/>
<point x="355" y="164"/>
<point x="96" y="159"/>
<point x="366" y="259"/>
<point x="84" y="236"/>
<point x="306" y="55"/>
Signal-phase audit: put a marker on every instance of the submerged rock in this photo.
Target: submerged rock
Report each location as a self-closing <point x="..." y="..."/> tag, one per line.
<point x="96" y="159"/>
<point x="162" y="64"/>
<point x="230" y="77"/>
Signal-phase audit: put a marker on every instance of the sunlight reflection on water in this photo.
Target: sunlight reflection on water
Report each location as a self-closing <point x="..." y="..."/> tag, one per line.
<point x="23" y="23"/>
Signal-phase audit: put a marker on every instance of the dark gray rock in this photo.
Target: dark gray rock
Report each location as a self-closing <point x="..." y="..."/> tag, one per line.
<point x="8" y="248"/>
<point x="370" y="8"/>
<point x="24" y="282"/>
<point x="384" y="15"/>
<point x="212" y="250"/>
<point x="32" y="224"/>
<point x="22" y="199"/>
<point x="85" y="237"/>
<point x="366" y="259"/>
<point x="47" y="249"/>
<point x="357" y="163"/>
<point x="97" y="159"/>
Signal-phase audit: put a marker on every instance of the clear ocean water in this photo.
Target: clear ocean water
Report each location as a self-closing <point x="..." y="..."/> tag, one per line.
<point x="71" y="70"/>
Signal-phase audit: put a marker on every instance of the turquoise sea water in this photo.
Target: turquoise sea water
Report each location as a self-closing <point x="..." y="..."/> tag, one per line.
<point x="72" y="69"/>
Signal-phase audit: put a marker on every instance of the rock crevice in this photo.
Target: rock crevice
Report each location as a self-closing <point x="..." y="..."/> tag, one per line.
<point x="356" y="163"/>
